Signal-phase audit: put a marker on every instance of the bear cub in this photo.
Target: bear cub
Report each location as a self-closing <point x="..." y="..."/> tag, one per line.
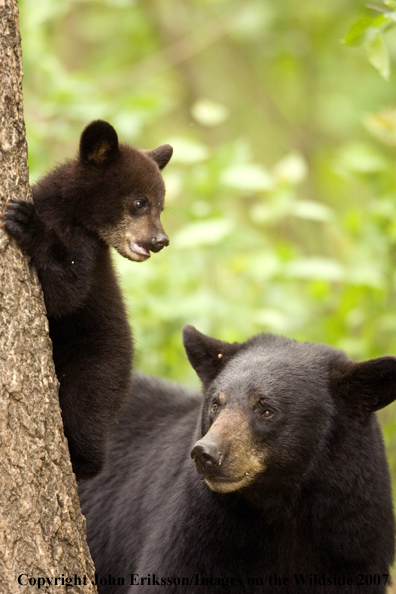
<point x="290" y="490"/>
<point x="110" y="195"/>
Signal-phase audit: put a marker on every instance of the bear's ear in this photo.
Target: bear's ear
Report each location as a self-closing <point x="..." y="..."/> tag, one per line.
<point x="366" y="386"/>
<point x="207" y="355"/>
<point x="99" y="144"/>
<point x="161" y="155"/>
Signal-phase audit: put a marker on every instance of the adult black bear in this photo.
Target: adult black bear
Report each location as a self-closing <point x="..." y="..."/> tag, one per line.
<point x="110" y="195"/>
<point x="292" y="492"/>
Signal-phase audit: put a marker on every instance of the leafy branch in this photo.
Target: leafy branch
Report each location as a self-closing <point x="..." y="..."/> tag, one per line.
<point x="368" y="32"/>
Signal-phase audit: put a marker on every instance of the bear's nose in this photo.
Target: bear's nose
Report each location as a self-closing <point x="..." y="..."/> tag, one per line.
<point x="159" y="241"/>
<point x="205" y="456"/>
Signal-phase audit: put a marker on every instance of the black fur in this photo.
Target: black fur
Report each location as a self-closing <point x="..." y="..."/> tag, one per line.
<point x="110" y="194"/>
<point x="321" y="509"/>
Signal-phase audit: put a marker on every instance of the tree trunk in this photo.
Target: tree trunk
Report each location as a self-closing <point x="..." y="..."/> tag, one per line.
<point x="42" y="531"/>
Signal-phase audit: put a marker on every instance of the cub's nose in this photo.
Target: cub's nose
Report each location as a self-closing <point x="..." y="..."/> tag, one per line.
<point x="205" y="456"/>
<point x="159" y="241"/>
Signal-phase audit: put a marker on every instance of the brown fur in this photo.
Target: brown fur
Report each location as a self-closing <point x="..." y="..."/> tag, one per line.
<point x="110" y="195"/>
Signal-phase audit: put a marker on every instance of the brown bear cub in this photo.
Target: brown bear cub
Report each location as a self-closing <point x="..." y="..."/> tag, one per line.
<point x="111" y="195"/>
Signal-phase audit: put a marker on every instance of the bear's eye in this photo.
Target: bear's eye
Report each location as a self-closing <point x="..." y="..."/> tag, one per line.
<point x="264" y="410"/>
<point x="214" y="408"/>
<point x="141" y="203"/>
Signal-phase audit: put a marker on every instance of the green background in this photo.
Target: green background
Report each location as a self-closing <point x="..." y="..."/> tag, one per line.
<point x="281" y="195"/>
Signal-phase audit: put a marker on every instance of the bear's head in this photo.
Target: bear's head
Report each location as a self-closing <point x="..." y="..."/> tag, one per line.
<point x="269" y="406"/>
<point x="120" y="191"/>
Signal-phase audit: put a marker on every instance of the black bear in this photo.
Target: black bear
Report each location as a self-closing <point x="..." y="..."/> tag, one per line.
<point x="292" y="492"/>
<point x="110" y="195"/>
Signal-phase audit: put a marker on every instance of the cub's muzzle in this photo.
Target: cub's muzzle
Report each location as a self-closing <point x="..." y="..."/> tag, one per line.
<point x="158" y="242"/>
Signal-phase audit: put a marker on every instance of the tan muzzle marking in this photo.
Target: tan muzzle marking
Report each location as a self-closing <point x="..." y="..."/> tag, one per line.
<point x="241" y="459"/>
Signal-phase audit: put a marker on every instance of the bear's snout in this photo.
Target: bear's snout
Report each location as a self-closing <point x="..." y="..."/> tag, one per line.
<point x="158" y="242"/>
<point x="206" y="456"/>
<point x="228" y="456"/>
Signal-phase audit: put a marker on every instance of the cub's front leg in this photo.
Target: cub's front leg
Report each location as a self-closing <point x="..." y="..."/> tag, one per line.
<point x="64" y="263"/>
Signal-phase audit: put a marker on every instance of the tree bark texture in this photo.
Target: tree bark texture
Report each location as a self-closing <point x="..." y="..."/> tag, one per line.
<point x="42" y="531"/>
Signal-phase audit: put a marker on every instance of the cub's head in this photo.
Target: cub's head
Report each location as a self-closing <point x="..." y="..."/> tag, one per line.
<point x="270" y="404"/>
<point x="121" y="191"/>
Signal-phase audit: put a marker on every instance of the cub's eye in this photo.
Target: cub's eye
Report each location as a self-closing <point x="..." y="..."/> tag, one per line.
<point x="267" y="413"/>
<point x="141" y="203"/>
<point x="214" y="408"/>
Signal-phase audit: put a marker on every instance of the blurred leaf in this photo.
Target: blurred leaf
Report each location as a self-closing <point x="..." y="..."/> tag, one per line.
<point x="383" y="125"/>
<point x="358" y="32"/>
<point x="209" y="113"/>
<point x="367" y="32"/>
<point x="272" y="320"/>
<point x="316" y="268"/>
<point x="366" y="274"/>
<point x="188" y="151"/>
<point x="249" y="178"/>
<point x="251" y="20"/>
<point x="378" y="56"/>
<point x="276" y="207"/>
<point x="361" y="158"/>
<point x="292" y="169"/>
<point x="203" y="233"/>
<point x="314" y="211"/>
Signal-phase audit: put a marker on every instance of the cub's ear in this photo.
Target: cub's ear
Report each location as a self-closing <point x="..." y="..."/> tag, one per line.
<point x="99" y="144"/>
<point x="207" y="355"/>
<point x="367" y="386"/>
<point x="161" y="155"/>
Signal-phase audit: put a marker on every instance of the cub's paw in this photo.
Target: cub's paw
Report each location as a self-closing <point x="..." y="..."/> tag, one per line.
<point x="21" y="222"/>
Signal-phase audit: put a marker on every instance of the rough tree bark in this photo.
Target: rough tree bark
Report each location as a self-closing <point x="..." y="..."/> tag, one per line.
<point x="42" y="531"/>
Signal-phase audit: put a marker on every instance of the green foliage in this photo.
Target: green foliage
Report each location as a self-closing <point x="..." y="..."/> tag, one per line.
<point x="281" y="201"/>
<point x="368" y="32"/>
